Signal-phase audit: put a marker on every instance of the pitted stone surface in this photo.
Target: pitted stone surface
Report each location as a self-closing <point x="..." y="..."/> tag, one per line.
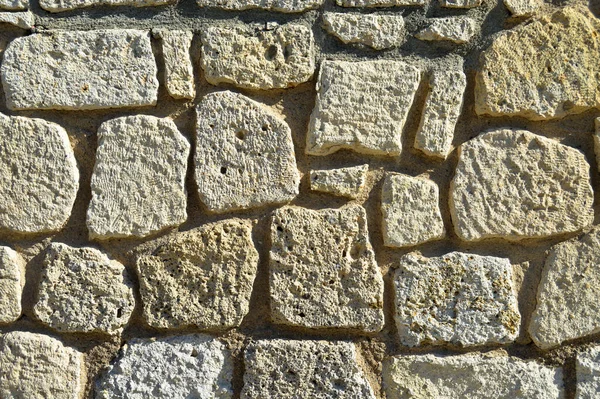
<point x="287" y="369"/>
<point x="361" y="106"/>
<point x="200" y="278"/>
<point x="244" y="154"/>
<point x="323" y="272"/>
<point x="138" y="184"/>
<point x="460" y="3"/>
<point x="379" y="3"/>
<point x="80" y="70"/>
<point x="458" y="298"/>
<point x="597" y="142"/>
<point x="24" y="20"/>
<point x="271" y="5"/>
<point x="376" y="31"/>
<point x="68" y="5"/>
<point x="545" y="69"/>
<point x="12" y="280"/>
<point x="181" y="367"/>
<point x="345" y="182"/>
<point x="523" y="8"/>
<point x="39" y="175"/>
<point x="455" y="29"/>
<point x="179" y="71"/>
<point x="410" y="211"/>
<point x="14" y="5"/>
<point x="81" y="290"/>
<point x="36" y="366"/>
<point x="588" y="373"/>
<point x="513" y="184"/>
<point x="252" y="57"/>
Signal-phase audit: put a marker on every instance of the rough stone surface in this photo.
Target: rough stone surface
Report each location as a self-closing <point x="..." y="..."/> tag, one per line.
<point x="81" y="290"/>
<point x="345" y="182"/>
<point x="68" y="5"/>
<point x="523" y="8"/>
<point x="244" y="154"/>
<point x="376" y="31"/>
<point x="80" y="70"/>
<point x="379" y="3"/>
<point x="597" y="142"/>
<point x="39" y="175"/>
<point x="138" y="184"/>
<point x="455" y="29"/>
<point x="410" y="211"/>
<point x="12" y="280"/>
<point x="39" y="366"/>
<point x="460" y="3"/>
<point x="252" y="57"/>
<point x="179" y="71"/>
<point x="473" y="376"/>
<point x="588" y="373"/>
<point x="361" y="106"/>
<point x="287" y="369"/>
<point x="181" y="367"/>
<point x="271" y="5"/>
<point x="24" y="20"/>
<point x="514" y="184"/>
<point x="323" y="272"/>
<point x="545" y="69"/>
<point x="14" y="5"/>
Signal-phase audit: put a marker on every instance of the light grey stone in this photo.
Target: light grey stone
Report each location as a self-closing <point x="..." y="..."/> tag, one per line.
<point x="455" y="29"/>
<point x="12" y="281"/>
<point x="376" y="31"/>
<point x="80" y="70"/>
<point x="179" y="71"/>
<point x="14" y="5"/>
<point x="344" y="182"/>
<point x="68" y="5"/>
<point x="24" y="20"/>
<point x="523" y="8"/>
<point x="379" y="3"/>
<point x="588" y="373"/>
<point x="288" y="6"/>
<point x="460" y="3"/>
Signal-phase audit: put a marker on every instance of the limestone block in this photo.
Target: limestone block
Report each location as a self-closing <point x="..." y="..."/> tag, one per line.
<point x="513" y="184"/>
<point x="344" y="182"/>
<point x="37" y="366"/>
<point x="244" y="154"/>
<point x="588" y="373"/>
<point x="523" y="8"/>
<point x="14" y="5"/>
<point x="138" y="183"/>
<point x="379" y="3"/>
<point x="455" y="29"/>
<point x="12" y="281"/>
<point x="24" y="20"/>
<point x="39" y="175"/>
<point x="376" y="31"/>
<point x="287" y="369"/>
<point x="68" y="5"/>
<point x="460" y="3"/>
<point x="361" y="106"/>
<point x="323" y="272"/>
<point x="254" y="57"/>
<point x="81" y="290"/>
<point x="596" y="137"/>
<point x="179" y="367"/>
<point x="80" y="70"/>
<point x="288" y="6"/>
<point x="179" y="71"/>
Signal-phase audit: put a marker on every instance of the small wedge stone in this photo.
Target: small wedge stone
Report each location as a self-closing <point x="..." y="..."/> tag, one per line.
<point x="12" y="281"/>
<point x="344" y="182"/>
<point x="379" y="3"/>
<point x="588" y="373"/>
<point x="460" y="3"/>
<point x="523" y="8"/>
<point x="376" y="31"/>
<point x="459" y="30"/>
<point x="288" y="6"/>
<point x="68" y="5"/>
<point x="23" y="20"/>
<point x="179" y="71"/>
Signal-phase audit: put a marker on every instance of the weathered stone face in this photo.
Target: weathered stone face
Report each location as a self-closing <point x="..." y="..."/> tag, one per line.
<point x="23" y="20"/>
<point x="460" y="3"/>
<point x="68" y="5"/>
<point x="345" y="182"/>
<point x="455" y="29"/>
<point x="379" y="3"/>
<point x="523" y="8"/>
<point x="288" y="6"/>
<point x="12" y="280"/>
<point x="14" y="5"/>
<point x="179" y="71"/>
<point x="588" y="373"/>
<point x="376" y="31"/>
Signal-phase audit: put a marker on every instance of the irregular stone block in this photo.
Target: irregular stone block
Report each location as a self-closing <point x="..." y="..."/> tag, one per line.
<point x="596" y="137"/>
<point x="323" y="272"/>
<point x="39" y="366"/>
<point x="454" y="29"/>
<point x="271" y="5"/>
<point x="473" y="376"/>
<point x="376" y="31"/>
<point x="138" y="184"/>
<point x="80" y="70"/>
<point x="244" y="154"/>
<point x="14" y="5"/>
<point x="460" y="3"/>
<point x="523" y="8"/>
<point x="179" y="71"/>
<point x="68" y="5"/>
<point x="513" y="184"/>
<point x="39" y="175"/>
<point x="258" y="58"/>
<point x="344" y="182"/>
<point x="544" y="69"/>
<point x="81" y="290"/>
<point x="24" y="20"/>
<point x="180" y="367"/>
<point x="379" y="3"/>
<point x="410" y="211"/>
<point x="312" y="369"/>
<point x="361" y="106"/>
<point x="588" y="373"/>
<point x="12" y="281"/>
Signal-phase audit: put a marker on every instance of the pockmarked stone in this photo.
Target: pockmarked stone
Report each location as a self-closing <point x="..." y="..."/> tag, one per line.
<point x="473" y="376"/>
<point x="179" y="367"/>
<point x="460" y="3"/>
<point x="287" y="6"/>
<point x="514" y="184"/>
<point x="254" y="57"/>
<point x="23" y="20"/>
<point x="376" y="31"/>
<point x="14" y="5"/>
<point x="39" y="175"/>
<point x="545" y="69"/>
<point x="39" y="366"/>
<point x="460" y="299"/>
<point x="454" y="29"/>
<point x="82" y="290"/>
<point x="410" y="211"/>
<point x="80" y="70"/>
<point x="361" y="106"/>
<point x="201" y="278"/>
<point x="588" y="373"/>
<point x="244" y="154"/>
<point x="523" y="8"/>
<point x="68" y="5"/>
<point x="138" y="183"/>
<point x="12" y="281"/>
<point x="597" y="142"/>
<point x="379" y="3"/>
<point x="323" y="272"/>
<point x="344" y="182"/>
<point x="287" y="369"/>
<point x="179" y="71"/>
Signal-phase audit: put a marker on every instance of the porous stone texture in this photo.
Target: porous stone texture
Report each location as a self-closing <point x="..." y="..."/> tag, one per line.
<point x="288" y="6"/>
<point x="344" y="182"/>
<point x="12" y="280"/>
<point x="255" y="57"/>
<point x="179" y="71"/>
<point x="24" y="20"/>
<point x="323" y="272"/>
<point x="39" y="175"/>
<point x="596" y="138"/>
<point x="379" y="3"/>
<point x="138" y="184"/>
<point x="81" y="290"/>
<point x="361" y="106"/>
<point x="473" y="376"/>
<point x="460" y="299"/>
<point x="37" y="366"/>
<point x="14" y="5"/>
<point x="410" y="211"/>
<point x="513" y="184"/>
<point x="200" y="278"/>
<point x="460" y="3"/>
<point x="542" y="70"/>
<point x="455" y="29"/>
<point x="244" y="154"/>
<point x="588" y="373"/>
<point x="180" y="367"/>
<point x="376" y="31"/>
<point x="523" y="8"/>
<point x="287" y="369"/>
<point x="68" y="5"/>
<point x="80" y="70"/>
